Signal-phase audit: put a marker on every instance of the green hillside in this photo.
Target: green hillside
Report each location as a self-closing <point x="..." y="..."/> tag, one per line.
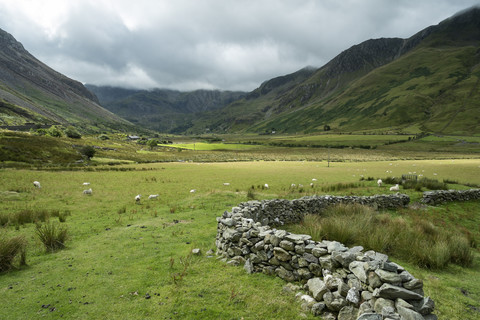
<point x="429" y="82"/>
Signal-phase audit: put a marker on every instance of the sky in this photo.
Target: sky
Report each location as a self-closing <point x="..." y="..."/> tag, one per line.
<point x="206" y="44"/>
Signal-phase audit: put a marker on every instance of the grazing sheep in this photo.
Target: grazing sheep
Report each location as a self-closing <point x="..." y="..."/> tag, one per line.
<point x="379" y="182"/>
<point x="137" y="198"/>
<point x="86" y="183"/>
<point x="87" y="191"/>
<point x="226" y="184"/>
<point x="300" y="185"/>
<point x="314" y="179"/>
<point x="193" y="191"/>
<point x="395" y="188"/>
<point x="266" y="185"/>
<point x="293" y="185"/>
<point x="153" y="196"/>
<point x="36" y="184"/>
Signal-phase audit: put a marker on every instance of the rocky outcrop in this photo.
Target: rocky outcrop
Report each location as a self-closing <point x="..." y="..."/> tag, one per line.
<point x="342" y="282"/>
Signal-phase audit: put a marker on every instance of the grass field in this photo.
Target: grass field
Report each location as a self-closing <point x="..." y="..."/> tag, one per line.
<point x="125" y="260"/>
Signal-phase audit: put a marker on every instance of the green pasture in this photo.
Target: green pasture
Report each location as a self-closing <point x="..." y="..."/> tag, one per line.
<point x="120" y="251"/>
<point x="203" y="146"/>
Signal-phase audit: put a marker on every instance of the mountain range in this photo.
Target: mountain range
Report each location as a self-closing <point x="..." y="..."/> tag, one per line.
<point x="428" y="82"/>
<point x="32" y="92"/>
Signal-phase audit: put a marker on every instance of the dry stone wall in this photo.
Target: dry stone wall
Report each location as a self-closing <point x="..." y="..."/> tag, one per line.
<point x="442" y="196"/>
<point x="342" y="283"/>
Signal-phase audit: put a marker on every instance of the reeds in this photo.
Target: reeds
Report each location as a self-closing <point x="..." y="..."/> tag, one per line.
<point x="415" y="240"/>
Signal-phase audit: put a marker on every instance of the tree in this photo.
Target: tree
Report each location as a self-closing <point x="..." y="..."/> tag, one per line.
<point x="152" y="143"/>
<point x="88" y="151"/>
<point x="326" y="127"/>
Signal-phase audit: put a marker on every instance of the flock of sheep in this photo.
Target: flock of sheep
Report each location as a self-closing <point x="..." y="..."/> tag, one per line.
<point x="36" y="184"/>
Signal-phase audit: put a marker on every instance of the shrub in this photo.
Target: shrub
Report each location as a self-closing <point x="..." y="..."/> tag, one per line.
<point x="52" y="237"/>
<point x="88" y="151"/>
<point x="71" y="132"/>
<point x="29" y="216"/>
<point x="251" y="194"/>
<point x="10" y="249"/>
<point x="54" y="131"/>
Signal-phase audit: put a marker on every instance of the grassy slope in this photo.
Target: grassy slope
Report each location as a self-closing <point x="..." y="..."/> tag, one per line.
<point x="436" y="88"/>
<point x="118" y="248"/>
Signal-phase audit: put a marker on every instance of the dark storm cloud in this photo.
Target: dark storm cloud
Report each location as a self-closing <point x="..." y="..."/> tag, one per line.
<point x="193" y="44"/>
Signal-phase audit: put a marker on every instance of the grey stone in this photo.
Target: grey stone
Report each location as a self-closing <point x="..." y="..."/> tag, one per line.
<point x="287" y="245"/>
<point x="285" y="274"/>
<point x="389" y="277"/>
<point x="413" y="284"/>
<point x="389" y="291"/>
<point x="356" y="267"/>
<point x="382" y="303"/>
<point x="370" y="316"/>
<point x="365" y="307"/>
<point x="353" y="296"/>
<point x="334" y="301"/>
<point x="315" y="268"/>
<point x="374" y="280"/>
<point x="389" y="266"/>
<point x="281" y="254"/>
<point x="300" y="249"/>
<point x="348" y="313"/>
<point x="298" y="238"/>
<point x="229" y="222"/>
<point x="402" y="303"/>
<point x="317" y="308"/>
<point x="326" y="262"/>
<point x="310" y="258"/>
<point x="335" y="246"/>
<point x="248" y="266"/>
<point x="318" y="252"/>
<point x="304" y="273"/>
<point x="424" y="306"/>
<point x="344" y="258"/>
<point x="317" y="288"/>
<point x="366" y="295"/>
<point x="408" y="314"/>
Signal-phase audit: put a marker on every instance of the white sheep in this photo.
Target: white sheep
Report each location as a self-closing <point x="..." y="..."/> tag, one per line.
<point x="86" y="183"/>
<point x="87" y="191"/>
<point x="266" y="185"/>
<point x="379" y="182"/>
<point x="395" y="188"/>
<point x="314" y="179"/>
<point x="193" y="191"/>
<point x="137" y="198"/>
<point x="153" y="196"/>
<point x="36" y="184"/>
<point x="226" y="184"/>
<point x="300" y="185"/>
<point x="311" y="184"/>
<point x="293" y="185"/>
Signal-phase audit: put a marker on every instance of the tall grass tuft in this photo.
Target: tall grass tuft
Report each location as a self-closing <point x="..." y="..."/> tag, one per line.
<point x="416" y="240"/>
<point x="52" y="237"/>
<point x="340" y="186"/>
<point x="11" y="250"/>
<point x="29" y="216"/>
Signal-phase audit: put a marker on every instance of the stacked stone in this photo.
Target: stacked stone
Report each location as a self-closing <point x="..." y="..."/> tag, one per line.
<point x="442" y="196"/>
<point x="343" y="283"/>
<point x="280" y="211"/>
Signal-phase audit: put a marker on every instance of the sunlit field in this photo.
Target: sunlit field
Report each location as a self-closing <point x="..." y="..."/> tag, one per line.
<point x="128" y="260"/>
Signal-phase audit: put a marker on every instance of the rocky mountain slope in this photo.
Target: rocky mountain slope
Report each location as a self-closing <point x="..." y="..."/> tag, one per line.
<point x="30" y="91"/>
<point x="428" y="82"/>
<point x="162" y="109"/>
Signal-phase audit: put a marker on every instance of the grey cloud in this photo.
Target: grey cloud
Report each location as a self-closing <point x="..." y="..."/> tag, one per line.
<point x="231" y="45"/>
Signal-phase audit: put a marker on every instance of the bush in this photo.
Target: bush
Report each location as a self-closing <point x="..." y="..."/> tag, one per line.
<point x="54" y="131"/>
<point x="52" y="237"/>
<point x="10" y="249"/>
<point x="71" y="132"/>
<point x="88" y="151"/>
